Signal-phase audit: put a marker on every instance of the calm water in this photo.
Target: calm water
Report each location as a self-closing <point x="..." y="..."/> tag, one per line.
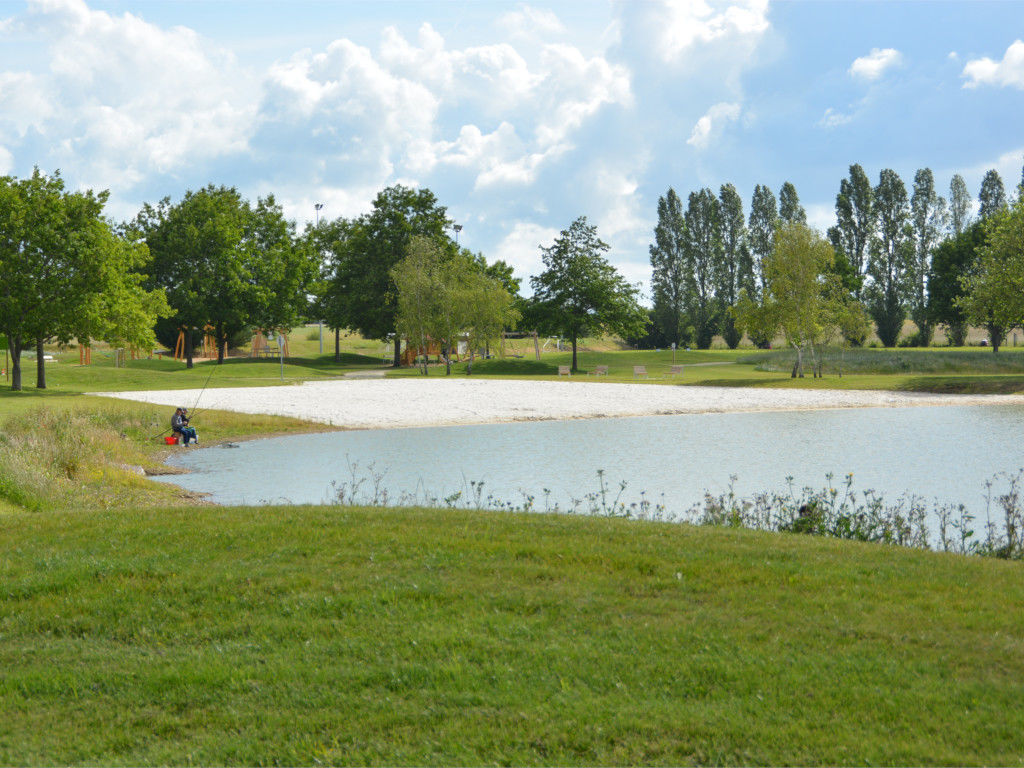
<point x="943" y="453"/>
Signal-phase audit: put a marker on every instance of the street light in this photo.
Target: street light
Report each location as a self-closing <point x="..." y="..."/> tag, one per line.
<point x="457" y="228"/>
<point x="318" y="206"/>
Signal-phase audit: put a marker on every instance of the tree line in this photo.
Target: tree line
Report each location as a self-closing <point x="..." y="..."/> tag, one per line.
<point x="216" y="263"/>
<point x="895" y="253"/>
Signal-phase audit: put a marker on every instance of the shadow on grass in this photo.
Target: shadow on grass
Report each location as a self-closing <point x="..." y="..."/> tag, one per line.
<point x="510" y="368"/>
<point x="762" y="382"/>
<point x="965" y="385"/>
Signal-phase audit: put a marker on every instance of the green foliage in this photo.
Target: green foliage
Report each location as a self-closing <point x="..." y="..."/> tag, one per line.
<point x="359" y="290"/>
<point x="704" y="262"/>
<point x="953" y="261"/>
<point x="226" y="263"/>
<point x="995" y="290"/>
<point x="580" y="293"/>
<point x="959" y="205"/>
<point x="790" y="210"/>
<point x="928" y="221"/>
<point x="855" y="221"/>
<point x="668" y="271"/>
<point x="892" y="256"/>
<point x="65" y="274"/>
<point x="992" y="197"/>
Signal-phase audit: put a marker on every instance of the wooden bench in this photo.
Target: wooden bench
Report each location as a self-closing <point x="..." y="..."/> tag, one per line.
<point x="675" y="370"/>
<point x="639" y="370"/>
<point x="563" y="370"/>
<point x="600" y="370"/>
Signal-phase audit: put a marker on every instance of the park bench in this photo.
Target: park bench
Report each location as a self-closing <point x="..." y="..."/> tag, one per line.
<point x="600" y="370"/>
<point x="563" y="370"/>
<point x="639" y="370"/>
<point x="675" y="370"/>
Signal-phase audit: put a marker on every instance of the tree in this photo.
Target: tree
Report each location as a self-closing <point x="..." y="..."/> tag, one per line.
<point x="855" y="219"/>
<point x="225" y="263"/>
<point x="736" y="270"/>
<point x="761" y="225"/>
<point x="891" y="257"/>
<point x="62" y="270"/>
<point x="703" y="249"/>
<point x="374" y="244"/>
<point x="959" y="205"/>
<point x="790" y="210"/>
<point x="799" y="299"/>
<point x="579" y="292"/>
<point x="992" y="197"/>
<point x="995" y="290"/>
<point x="952" y="260"/>
<point x="326" y="245"/>
<point x="928" y="220"/>
<point x="668" y="267"/>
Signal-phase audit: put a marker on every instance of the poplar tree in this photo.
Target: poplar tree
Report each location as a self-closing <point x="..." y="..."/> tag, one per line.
<point x="668" y="266"/>
<point x="992" y="197"/>
<point x="703" y="263"/>
<point x="891" y="257"/>
<point x="736" y="271"/>
<point x="928" y="220"/>
<point x="855" y="220"/>
<point x="959" y="205"/>
<point x="761" y="226"/>
<point x="790" y="210"/>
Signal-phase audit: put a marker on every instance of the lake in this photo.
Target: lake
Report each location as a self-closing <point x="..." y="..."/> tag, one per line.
<point x="940" y="453"/>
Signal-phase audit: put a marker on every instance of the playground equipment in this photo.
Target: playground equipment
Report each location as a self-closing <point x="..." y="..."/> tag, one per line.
<point x="511" y="336"/>
<point x="261" y="346"/>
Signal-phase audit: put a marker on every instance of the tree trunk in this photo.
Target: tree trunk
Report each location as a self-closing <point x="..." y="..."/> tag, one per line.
<point x="798" y="366"/>
<point x="14" y="345"/>
<point x="996" y="334"/>
<point x="337" y="345"/>
<point x="221" y="342"/>
<point x="40" y="366"/>
<point x="398" y="352"/>
<point x="573" y="353"/>
<point x="188" y="348"/>
<point x="423" y="346"/>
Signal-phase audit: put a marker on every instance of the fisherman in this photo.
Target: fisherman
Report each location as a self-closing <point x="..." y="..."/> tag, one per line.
<point x="179" y="426"/>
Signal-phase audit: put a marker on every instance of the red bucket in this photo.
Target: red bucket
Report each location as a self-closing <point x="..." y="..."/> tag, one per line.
<point x="171" y="440"/>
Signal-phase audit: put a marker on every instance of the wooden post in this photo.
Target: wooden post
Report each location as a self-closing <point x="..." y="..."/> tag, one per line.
<point x="536" y="345"/>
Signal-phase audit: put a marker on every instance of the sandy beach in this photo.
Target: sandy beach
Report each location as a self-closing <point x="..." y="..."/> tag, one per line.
<point x="409" y="402"/>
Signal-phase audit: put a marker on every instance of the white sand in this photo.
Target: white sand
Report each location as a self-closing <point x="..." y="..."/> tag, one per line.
<point x="409" y="402"/>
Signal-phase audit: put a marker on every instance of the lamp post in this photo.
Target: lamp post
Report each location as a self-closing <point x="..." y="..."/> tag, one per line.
<point x="457" y="228"/>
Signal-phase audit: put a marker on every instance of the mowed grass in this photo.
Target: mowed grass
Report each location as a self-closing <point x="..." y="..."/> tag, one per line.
<point x="304" y="635"/>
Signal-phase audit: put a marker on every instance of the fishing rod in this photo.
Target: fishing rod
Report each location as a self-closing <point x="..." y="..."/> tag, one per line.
<point x="193" y="410"/>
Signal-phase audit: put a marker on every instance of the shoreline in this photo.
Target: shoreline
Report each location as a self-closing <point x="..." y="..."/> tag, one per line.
<point x="408" y="403"/>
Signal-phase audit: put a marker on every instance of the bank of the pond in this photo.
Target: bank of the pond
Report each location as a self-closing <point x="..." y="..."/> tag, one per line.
<point x="303" y="635"/>
<point x="406" y="402"/>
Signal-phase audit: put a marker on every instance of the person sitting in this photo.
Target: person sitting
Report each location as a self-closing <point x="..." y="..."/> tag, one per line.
<point x="180" y="427"/>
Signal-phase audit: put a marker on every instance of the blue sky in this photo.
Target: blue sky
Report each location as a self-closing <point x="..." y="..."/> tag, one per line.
<point x="520" y="117"/>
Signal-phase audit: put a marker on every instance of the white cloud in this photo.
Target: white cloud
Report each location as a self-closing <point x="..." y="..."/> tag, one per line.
<point x="686" y="23"/>
<point x="528" y="22"/>
<point x="953" y="56"/>
<point x="874" y="65"/>
<point x="6" y="161"/>
<point x="711" y="124"/>
<point x="123" y="98"/>
<point x="521" y="249"/>
<point x="833" y="118"/>
<point x="1009" y="71"/>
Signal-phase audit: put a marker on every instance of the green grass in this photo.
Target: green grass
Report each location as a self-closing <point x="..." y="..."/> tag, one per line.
<point x="354" y="636"/>
<point x="929" y="360"/>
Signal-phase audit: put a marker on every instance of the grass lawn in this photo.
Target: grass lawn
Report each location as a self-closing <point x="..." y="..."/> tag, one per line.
<point x="357" y="636"/>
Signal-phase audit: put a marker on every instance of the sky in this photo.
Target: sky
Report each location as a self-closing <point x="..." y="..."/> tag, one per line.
<point x="519" y="117"/>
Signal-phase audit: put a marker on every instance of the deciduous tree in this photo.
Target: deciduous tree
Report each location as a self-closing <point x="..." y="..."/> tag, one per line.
<point x="992" y="197"/>
<point x="703" y="249"/>
<point x="928" y="220"/>
<point x="580" y="292"/>
<point x="959" y="205"/>
<point x="790" y="210"/>
<point x="736" y="270"/>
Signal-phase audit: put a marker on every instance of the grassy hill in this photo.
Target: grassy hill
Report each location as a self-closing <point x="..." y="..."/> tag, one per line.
<point x="304" y="635"/>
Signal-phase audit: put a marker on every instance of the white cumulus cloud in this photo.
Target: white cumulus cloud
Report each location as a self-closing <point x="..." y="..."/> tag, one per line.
<point x="874" y="65"/>
<point x="711" y="124"/>
<point x="685" y="23"/>
<point x="834" y="118"/>
<point x="529" y="22"/>
<point x="1009" y="71"/>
